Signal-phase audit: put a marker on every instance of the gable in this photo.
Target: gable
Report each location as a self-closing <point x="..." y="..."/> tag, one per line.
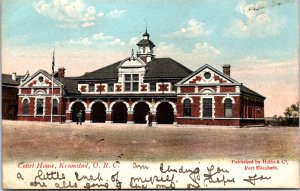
<point x="207" y="75"/>
<point x="40" y="79"/>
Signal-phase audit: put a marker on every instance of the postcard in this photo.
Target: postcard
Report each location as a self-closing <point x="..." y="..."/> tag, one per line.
<point x="199" y="94"/>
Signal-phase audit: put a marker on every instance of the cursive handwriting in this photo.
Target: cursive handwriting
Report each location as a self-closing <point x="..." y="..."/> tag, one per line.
<point x="85" y="177"/>
<point x="210" y="176"/>
<point x="115" y="178"/>
<point x="53" y="175"/>
<point x="140" y="166"/>
<point x="141" y="183"/>
<point x="65" y="186"/>
<point x="252" y="179"/>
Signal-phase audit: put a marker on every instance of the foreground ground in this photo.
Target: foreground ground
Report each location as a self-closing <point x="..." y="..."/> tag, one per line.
<point x="36" y="140"/>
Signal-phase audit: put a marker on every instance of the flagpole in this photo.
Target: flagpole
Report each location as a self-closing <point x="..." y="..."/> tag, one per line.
<point x="52" y="86"/>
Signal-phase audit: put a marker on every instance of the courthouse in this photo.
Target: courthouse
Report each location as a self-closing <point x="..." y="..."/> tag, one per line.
<point x="125" y="91"/>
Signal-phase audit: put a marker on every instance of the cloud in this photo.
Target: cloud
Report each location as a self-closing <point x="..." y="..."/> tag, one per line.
<point x="100" y="14"/>
<point x="70" y="13"/>
<point x="258" y="20"/>
<point x="204" y="49"/>
<point x="117" y="42"/>
<point x="201" y="53"/>
<point x="116" y="12"/>
<point x="95" y="39"/>
<point x="102" y="36"/>
<point x="133" y="41"/>
<point x="193" y="29"/>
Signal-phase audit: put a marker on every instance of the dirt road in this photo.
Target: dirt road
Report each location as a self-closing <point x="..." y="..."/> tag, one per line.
<point x="36" y="140"/>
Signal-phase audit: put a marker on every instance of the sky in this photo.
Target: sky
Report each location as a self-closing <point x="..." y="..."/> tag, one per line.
<point x="258" y="38"/>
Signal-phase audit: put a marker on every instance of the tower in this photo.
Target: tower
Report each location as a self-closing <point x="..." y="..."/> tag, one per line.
<point x="146" y="46"/>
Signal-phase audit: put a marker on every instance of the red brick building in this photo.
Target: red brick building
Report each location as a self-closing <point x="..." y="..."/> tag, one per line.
<point x="124" y="92"/>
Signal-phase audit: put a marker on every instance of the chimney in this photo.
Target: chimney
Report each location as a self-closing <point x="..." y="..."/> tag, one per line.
<point x="226" y="69"/>
<point x="61" y="73"/>
<point x="14" y="76"/>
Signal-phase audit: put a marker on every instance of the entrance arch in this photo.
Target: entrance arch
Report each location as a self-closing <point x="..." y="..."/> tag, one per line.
<point x="76" y="107"/>
<point x="119" y="113"/>
<point x="98" y="112"/>
<point x="140" y="111"/>
<point x="165" y="113"/>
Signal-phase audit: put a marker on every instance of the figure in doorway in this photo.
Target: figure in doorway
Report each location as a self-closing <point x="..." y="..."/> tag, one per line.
<point x="79" y="116"/>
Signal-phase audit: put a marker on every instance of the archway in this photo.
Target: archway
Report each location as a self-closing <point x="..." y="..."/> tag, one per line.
<point x="165" y="113"/>
<point x="98" y="113"/>
<point x="140" y="111"/>
<point x="76" y="107"/>
<point x="119" y="113"/>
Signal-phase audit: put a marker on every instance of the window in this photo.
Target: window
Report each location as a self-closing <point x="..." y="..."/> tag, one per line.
<point x="144" y="50"/>
<point x="91" y="87"/>
<point x="174" y="88"/>
<point x="39" y="106"/>
<point x="131" y="82"/>
<point x="25" y="106"/>
<point x="207" y="75"/>
<point x="55" y="107"/>
<point x="41" y="79"/>
<point x="228" y="107"/>
<point x="110" y="87"/>
<point x="152" y="86"/>
<point x="187" y="109"/>
<point x="207" y="107"/>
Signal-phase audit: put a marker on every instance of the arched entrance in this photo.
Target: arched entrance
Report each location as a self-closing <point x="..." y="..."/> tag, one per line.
<point x="76" y="107"/>
<point x="119" y="113"/>
<point x="98" y="113"/>
<point x="140" y="111"/>
<point x="165" y="113"/>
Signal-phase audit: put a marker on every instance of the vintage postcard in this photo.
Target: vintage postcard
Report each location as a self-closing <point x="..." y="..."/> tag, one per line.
<point x="154" y="94"/>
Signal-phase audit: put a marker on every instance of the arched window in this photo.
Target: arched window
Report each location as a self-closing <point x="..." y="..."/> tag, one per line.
<point x="25" y="106"/>
<point x="55" y="107"/>
<point x="228" y="107"/>
<point x="187" y="109"/>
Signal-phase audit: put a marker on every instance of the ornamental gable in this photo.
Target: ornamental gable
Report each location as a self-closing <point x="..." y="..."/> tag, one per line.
<point x="207" y="75"/>
<point x="40" y="79"/>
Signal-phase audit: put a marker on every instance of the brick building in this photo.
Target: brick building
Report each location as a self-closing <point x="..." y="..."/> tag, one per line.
<point x="125" y="91"/>
<point x="10" y="84"/>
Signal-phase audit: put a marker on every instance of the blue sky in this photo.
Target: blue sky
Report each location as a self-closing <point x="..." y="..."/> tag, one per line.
<point x="258" y="38"/>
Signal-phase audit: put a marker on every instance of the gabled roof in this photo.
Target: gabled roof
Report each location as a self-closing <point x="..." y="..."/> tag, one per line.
<point x="211" y="68"/>
<point x="6" y="79"/>
<point x="105" y="73"/>
<point x="45" y="73"/>
<point x="165" y="68"/>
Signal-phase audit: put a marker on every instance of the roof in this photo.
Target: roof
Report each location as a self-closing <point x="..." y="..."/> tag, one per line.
<point x="166" y="68"/>
<point x="7" y="80"/>
<point x="158" y="68"/>
<point x="146" y="34"/>
<point x="145" y="42"/>
<point x="70" y="86"/>
<point x="246" y="90"/>
<point x="105" y="73"/>
<point x="211" y="68"/>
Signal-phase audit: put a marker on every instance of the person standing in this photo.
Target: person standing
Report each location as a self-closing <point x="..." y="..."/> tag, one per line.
<point x="147" y="119"/>
<point x="150" y="118"/>
<point x="79" y="116"/>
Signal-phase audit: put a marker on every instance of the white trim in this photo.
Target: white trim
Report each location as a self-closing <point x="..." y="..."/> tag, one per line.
<point x="213" y="106"/>
<point x="228" y="97"/>
<point x="77" y="100"/>
<point x="186" y="97"/>
<point x="142" y="100"/>
<point x="35" y="105"/>
<point x="217" y="118"/>
<point x="95" y="101"/>
<point x="25" y="97"/>
<point x="25" y="115"/>
<point x="119" y="100"/>
<point x="170" y="102"/>
<point x="207" y="89"/>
